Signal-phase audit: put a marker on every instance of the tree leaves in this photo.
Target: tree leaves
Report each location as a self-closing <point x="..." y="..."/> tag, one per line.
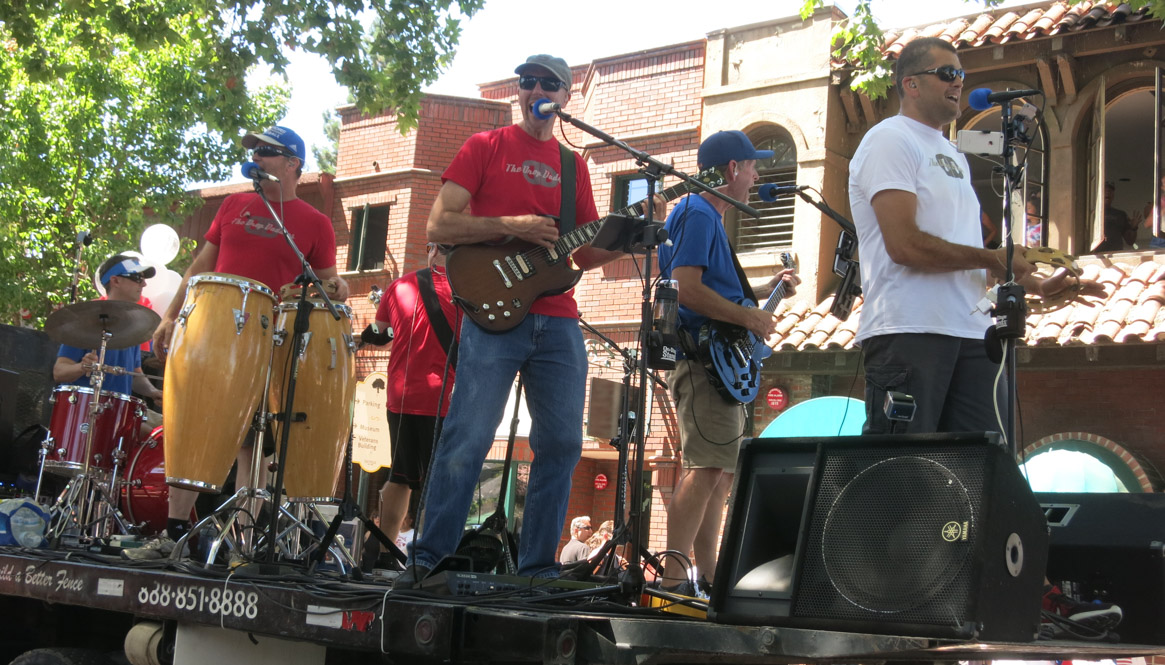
<point x="108" y="107"/>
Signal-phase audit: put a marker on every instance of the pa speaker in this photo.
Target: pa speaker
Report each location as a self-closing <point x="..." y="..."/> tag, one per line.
<point x="1111" y="547"/>
<point x="934" y="535"/>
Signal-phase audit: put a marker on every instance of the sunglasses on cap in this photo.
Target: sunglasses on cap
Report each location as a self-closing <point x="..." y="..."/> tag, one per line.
<point x="133" y="277"/>
<point x="549" y="83"/>
<point x="269" y="151"/>
<point x="946" y="73"/>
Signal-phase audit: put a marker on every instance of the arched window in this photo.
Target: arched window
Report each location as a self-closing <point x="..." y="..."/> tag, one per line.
<point x="1076" y="462"/>
<point x="774" y="228"/>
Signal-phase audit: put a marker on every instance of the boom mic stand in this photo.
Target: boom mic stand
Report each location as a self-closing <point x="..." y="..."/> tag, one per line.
<point x="652" y="236"/>
<point x="628" y="423"/>
<point x="844" y="265"/>
<point x="302" y="313"/>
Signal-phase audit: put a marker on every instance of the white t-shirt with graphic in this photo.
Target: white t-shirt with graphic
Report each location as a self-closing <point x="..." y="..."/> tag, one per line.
<point x="904" y="154"/>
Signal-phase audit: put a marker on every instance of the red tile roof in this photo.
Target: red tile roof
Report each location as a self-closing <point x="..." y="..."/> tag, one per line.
<point x="1001" y="26"/>
<point x="1132" y="311"/>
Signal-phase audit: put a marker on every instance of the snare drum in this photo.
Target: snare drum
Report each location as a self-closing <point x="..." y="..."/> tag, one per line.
<point x="324" y="390"/>
<point x="215" y="374"/>
<point x="118" y="423"/>
<point x="146" y="496"/>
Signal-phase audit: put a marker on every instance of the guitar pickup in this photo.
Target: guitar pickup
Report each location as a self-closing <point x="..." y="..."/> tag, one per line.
<point x="514" y="268"/>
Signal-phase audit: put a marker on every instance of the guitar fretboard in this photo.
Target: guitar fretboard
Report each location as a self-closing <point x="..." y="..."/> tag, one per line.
<point x="582" y="235"/>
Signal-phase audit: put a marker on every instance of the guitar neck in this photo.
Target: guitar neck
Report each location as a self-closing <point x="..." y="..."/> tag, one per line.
<point x="775" y="298"/>
<point x="582" y="235"/>
<point x="669" y="194"/>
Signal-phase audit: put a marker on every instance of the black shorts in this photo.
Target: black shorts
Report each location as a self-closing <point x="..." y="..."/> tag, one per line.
<point x="412" y="447"/>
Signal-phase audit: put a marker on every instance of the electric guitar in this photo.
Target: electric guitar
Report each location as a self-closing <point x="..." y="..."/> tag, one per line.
<point x="732" y="355"/>
<point x="496" y="283"/>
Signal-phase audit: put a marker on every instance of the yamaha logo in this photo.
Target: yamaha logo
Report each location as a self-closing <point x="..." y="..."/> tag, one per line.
<point x="954" y="532"/>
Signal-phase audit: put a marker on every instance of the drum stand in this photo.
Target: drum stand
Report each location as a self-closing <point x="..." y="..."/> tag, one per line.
<point x="347" y="510"/>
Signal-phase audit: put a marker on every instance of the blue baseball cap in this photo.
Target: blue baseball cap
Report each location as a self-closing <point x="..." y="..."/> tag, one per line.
<point x="128" y="265"/>
<point x="279" y="136"/>
<point x="726" y="146"/>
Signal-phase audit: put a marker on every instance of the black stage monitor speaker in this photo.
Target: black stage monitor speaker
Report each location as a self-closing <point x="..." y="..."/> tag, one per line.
<point x="915" y="535"/>
<point x="1111" y="547"/>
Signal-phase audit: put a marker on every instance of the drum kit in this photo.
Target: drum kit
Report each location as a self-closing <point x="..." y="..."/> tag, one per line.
<point x="93" y="432"/>
<point x="227" y="373"/>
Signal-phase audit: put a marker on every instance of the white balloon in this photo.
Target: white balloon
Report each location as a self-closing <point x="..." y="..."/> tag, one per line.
<point x="160" y="243"/>
<point x="161" y="289"/>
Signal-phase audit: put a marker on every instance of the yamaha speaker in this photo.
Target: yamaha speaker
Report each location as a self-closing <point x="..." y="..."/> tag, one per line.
<point x="1111" y="547"/>
<point x="934" y="535"/>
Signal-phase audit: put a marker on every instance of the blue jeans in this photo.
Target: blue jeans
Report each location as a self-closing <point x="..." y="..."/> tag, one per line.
<point x="549" y="352"/>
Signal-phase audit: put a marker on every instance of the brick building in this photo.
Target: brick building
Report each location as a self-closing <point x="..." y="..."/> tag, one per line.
<point x="1089" y="372"/>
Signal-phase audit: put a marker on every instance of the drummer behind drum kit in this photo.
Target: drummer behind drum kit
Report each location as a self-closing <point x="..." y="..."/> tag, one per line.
<point x="229" y="357"/>
<point x="92" y="431"/>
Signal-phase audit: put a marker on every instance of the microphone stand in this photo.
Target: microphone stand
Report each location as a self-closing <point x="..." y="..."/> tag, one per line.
<point x="84" y="239"/>
<point x="653" y="234"/>
<point x="1010" y="310"/>
<point x="628" y="424"/>
<point x="845" y="265"/>
<point x="302" y="317"/>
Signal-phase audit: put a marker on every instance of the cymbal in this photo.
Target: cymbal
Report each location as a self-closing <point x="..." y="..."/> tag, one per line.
<point x="82" y="324"/>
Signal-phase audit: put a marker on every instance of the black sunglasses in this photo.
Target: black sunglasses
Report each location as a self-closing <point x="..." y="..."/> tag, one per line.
<point x="133" y="277"/>
<point x="269" y="151"/>
<point x="946" y="73"/>
<point x="549" y="84"/>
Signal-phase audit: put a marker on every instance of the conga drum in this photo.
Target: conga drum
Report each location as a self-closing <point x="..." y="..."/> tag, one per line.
<point x="215" y="374"/>
<point x="325" y="391"/>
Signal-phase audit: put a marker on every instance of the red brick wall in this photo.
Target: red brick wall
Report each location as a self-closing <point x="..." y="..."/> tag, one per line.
<point x="1121" y="405"/>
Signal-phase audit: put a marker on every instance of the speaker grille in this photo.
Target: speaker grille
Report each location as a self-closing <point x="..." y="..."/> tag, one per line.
<point x="892" y="535"/>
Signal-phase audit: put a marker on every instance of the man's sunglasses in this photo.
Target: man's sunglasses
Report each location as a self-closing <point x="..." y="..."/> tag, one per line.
<point x="946" y="73"/>
<point x="269" y="151"/>
<point x="548" y="84"/>
<point x="133" y="277"/>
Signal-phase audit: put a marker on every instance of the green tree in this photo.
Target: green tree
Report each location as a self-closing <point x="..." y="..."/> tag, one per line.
<point x="108" y="108"/>
<point x="326" y="155"/>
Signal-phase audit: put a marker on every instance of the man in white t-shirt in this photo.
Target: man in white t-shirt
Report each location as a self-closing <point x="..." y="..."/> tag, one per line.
<point x="924" y="267"/>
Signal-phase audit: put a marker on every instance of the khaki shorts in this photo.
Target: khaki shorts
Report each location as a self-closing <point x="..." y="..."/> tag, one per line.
<point x="710" y="428"/>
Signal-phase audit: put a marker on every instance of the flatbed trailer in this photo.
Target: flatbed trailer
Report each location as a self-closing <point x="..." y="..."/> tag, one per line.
<point x="185" y="613"/>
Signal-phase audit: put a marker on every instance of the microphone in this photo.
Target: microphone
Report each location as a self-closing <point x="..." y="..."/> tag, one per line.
<point x="770" y="190"/>
<point x="982" y="99"/>
<point x="251" y="170"/>
<point x="544" y="108"/>
<point x="84" y="238"/>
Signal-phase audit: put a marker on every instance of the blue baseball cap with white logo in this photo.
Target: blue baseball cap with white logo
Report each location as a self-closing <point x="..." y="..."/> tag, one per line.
<point x="127" y="266"/>
<point x="278" y="136"/>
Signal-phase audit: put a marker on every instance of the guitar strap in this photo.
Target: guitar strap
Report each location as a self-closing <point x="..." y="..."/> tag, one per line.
<point x="744" y="285"/>
<point x="566" y="220"/>
<point x="437" y="320"/>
